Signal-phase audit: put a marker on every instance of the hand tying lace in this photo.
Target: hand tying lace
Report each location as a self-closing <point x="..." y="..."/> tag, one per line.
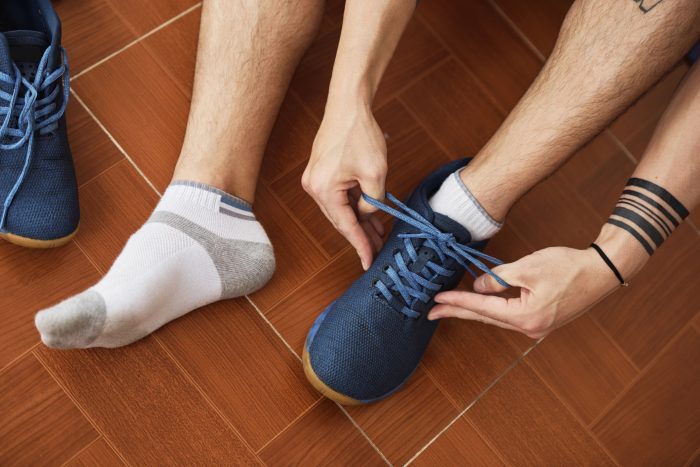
<point x="412" y="286"/>
<point x="31" y="113"/>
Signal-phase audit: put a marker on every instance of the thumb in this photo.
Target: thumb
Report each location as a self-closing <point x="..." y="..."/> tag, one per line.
<point x="486" y="283"/>
<point x="373" y="187"/>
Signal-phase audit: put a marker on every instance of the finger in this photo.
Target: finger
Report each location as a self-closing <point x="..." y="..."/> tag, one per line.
<point x="374" y="187"/>
<point x="377" y="224"/>
<point x="502" y="309"/>
<point x="373" y="235"/>
<point x="449" y="311"/>
<point x="346" y="223"/>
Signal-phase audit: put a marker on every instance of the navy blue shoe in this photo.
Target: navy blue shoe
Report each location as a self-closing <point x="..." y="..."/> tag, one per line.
<point x="368" y="342"/>
<point x="38" y="190"/>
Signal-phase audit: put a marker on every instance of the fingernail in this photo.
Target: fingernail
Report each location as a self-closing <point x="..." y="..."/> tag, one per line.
<point x="433" y="316"/>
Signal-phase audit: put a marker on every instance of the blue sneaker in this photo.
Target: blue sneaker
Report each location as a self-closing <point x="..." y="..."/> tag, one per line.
<point x="38" y="190"/>
<point x="367" y="343"/>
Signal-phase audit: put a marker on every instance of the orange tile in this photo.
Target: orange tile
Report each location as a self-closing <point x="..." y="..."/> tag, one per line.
<point x="454" y="109"/>
<point x="642" y="318"/>
<point x="294" y="315"/>
<point x="321" y="436"/>
<point x="40" y="423"/>
<point x="656" y="421"/>
<point x="459" y="445"/>
<point x="98" y="453"/>
<point x="91" y="31"/>
<point x="583" y="366"/>
<point x="93" y="152"/>
<point x="243" y="367"/>
<point x="539" y="20"/>
<point x="145" y="110"/>
<point x="32" y="280"/>
<point x="290" y="141"/>
<point x="142" y="17"/>
<point x="528" y="425"/>
<point x="311" y="79"/>
<point x="145" y="406"/>
<point x="296" y="256"/>
<point x="115" y="205"/>
<point x="486" y="43"/>
<point x="334" y="11"/>
<point x="402" y="424"/>
<point x="175" y="48"/>
<point x="395" y="121"/>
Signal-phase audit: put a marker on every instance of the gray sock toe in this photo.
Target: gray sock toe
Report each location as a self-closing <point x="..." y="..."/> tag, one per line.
<point x="73" y="323"/>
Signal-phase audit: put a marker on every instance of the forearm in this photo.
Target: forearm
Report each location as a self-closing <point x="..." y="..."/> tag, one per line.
<point x="608" y="53"/>
<point x="371" y="31"/>
<point x="671" y="162"/>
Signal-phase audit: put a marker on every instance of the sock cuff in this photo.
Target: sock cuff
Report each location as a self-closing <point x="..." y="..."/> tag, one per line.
<point x="205" y="195"/>
<point x="475" y="203"/>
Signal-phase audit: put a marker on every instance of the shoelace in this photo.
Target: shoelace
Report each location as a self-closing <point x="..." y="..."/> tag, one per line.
<point x="33" y="113"/>
<point x="410" y="285"/>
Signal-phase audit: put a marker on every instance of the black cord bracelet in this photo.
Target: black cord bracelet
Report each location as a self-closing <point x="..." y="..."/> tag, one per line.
<point x="610" y="264"/>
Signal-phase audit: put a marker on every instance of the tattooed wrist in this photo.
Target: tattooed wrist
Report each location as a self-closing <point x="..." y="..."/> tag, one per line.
<point x="647" y="5"/>
<point x="648" y="212"/>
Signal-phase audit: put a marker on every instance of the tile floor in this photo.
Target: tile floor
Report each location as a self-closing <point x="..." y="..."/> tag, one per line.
<point x="224" y="385"/>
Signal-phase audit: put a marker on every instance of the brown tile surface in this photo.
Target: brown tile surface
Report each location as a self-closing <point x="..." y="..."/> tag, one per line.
<point x="98" y="453"/>
<point x="40" y="426"/>
<point x="144" y="404"/>
<point x="459" y="445"/>
<point x="656" y="421"/>
<point x="528" y="425"/>
<point x="243" y="366"/>
<point x="33" y="280"/>
<point x="142" y="17"/>
<point x="538" y="20"/>
<point x="322" y="436"/>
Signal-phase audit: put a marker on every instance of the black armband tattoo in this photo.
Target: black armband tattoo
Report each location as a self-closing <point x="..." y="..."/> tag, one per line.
<point x="647" y="5"/>
<point x="642" y="212"/>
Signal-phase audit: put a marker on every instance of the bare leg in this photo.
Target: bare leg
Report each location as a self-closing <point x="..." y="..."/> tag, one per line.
<point x="248" y="51"/>
<point x="607" y="55"/>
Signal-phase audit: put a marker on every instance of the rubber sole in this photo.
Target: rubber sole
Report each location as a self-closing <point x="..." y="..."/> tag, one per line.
<point x="34" y="243"/>
<point x="321" y="386"/>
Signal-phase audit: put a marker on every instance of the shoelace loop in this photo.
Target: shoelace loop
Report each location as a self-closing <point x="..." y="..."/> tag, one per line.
<point x="32" y="113"/>
<point x="412" y="286"/>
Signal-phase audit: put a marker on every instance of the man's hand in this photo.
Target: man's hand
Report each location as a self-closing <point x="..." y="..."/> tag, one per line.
<point x="556" y="286"/>
<point x="349" y="157"/>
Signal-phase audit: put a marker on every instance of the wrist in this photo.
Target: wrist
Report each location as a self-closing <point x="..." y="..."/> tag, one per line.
<point x="349" y="93"/>
<point x="623" y="250"/>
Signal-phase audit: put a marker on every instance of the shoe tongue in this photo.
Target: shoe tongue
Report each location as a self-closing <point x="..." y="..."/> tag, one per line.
<point x="26" y="48"/>
<point x="5" y="58"/>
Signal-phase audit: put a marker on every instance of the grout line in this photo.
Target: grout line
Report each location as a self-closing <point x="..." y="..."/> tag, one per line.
<point x="620" y="144"/>
<point x="204" y="395"/>
<point x="119" y="146"/>
<point x="18" y="358"/>
<point x="83" y="449"/>
<point x="304" y="412"/>
<point x="90" y="180"/>
<point x="517" y="30"/>
<point x="477" y="399"/>
<point x="615" y="344"/>
<point x="137" y="40"/>
<point x="362" y="432"/>
<point x="80" y="408"/>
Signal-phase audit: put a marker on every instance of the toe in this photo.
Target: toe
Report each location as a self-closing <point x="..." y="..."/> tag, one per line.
<point x="73" y="323"/>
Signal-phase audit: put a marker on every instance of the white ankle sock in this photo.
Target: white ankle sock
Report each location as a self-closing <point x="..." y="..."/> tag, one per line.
<point x="199" y="246"/>
<point x="454" y="200"/>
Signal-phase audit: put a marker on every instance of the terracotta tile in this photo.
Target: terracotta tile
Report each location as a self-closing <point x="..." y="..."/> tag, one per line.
<point x="311" y="79"/>
<point x="598" y="172"/>
<point x="93" y="152"/>
<point x="334" y="11"/>
<point x="145" y="406"/>
<point x="583" y="366"/>
<point x="402" y="424"/>
<point x="416" y="52"/>
<point x="660" y="412"/>
<point x="41" y="426"/>
<point x="486" y="43"/>
<point x="143" y="17"/>
<point x="635" y="127"/>
<point x="175" y="48"/>
<point x="145" y="110"/>
<point x="322" y="436"/>
<point x="294" y="315"/>
<point x="528" y="425"/>
<point x="98" y="453"/>
<point x="33" y="280"/>
<point x="696" y="321"/>
<point x="290" y="141"/>
<point x="297" y="257"/>
<point x="243" y="367"/>
<point x="114" y="205"/>
<point x="539" y="20"/>
<point x="395" y="121"/>
<point x="454" y="109"/>
<point x="642" y="318"/>
<point x="552" y="214"/>
<point x="91" y="31"/>
<point x="459" y="445"/>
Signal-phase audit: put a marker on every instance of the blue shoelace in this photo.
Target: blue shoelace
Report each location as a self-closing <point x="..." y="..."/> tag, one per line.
<point x="412" y="286"/>
<point x="32" y="113"/>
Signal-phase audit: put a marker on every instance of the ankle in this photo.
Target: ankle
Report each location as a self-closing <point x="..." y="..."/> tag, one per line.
<point x="491" y="197"/>
<point x="244" y="191"/>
